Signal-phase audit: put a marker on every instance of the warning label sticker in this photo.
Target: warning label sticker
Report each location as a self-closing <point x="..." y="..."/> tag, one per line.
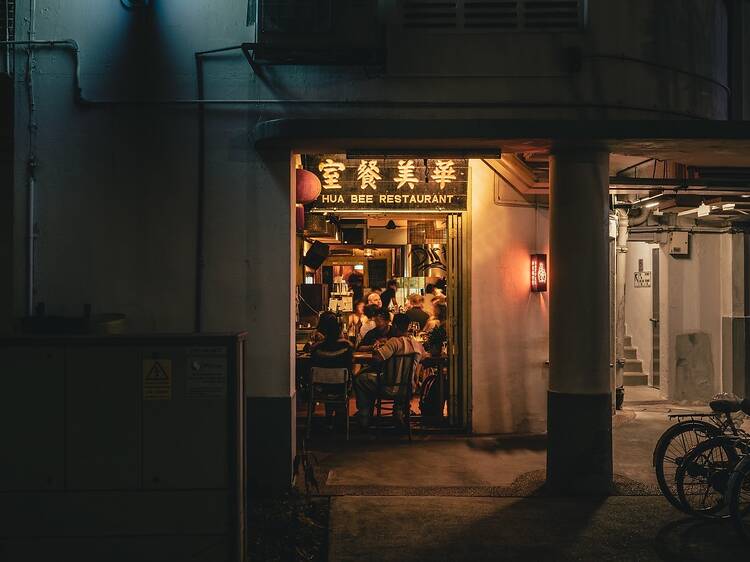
<point x="157" y="379"/>
<point x="207" y="373"/>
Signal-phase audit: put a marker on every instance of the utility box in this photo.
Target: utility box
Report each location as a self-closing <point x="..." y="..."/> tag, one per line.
<point x="122" y="448"/>
<point x="679" y="244"/>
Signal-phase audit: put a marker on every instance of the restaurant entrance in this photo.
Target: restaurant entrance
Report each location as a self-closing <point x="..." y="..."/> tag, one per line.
<point x="357" y="259"/>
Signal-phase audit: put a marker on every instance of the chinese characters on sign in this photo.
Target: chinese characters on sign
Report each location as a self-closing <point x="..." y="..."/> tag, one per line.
<point x="386" y="183"/>
<point x="331" y="173"/>
<point x="405" y="174"/>
<point x="368" y="173"/>
<point x="444" y="172"/>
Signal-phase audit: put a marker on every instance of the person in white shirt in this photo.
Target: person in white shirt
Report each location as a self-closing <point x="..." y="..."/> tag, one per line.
<point x="366" y="383"/>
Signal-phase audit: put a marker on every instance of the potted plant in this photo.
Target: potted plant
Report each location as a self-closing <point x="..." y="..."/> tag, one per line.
<point x="435" y="340"/>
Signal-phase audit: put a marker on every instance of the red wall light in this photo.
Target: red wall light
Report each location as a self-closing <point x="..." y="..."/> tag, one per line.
<point x="538" y="273"/>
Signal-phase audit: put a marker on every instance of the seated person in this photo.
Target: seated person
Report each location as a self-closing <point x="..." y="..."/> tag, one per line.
<point x="416" y="312"/>
<point x="438" y="319"/>
<point x="374" y="298"/>
<point x="332" y="352"/>
<point x="429" y="294"/>
<point x="356" y="319"/>
<point x="366" y="383"/>
<point x="371" y="310"/>
<point x="382" y="321"/>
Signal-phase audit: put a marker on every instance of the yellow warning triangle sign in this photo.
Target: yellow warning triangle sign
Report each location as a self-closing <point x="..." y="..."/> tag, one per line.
<point x="157" y="372"/>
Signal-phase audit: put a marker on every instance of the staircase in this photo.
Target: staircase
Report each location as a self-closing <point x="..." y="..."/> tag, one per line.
<point x="633" y="374"/>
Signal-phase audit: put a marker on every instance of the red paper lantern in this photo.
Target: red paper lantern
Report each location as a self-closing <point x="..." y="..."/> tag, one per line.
<point x="538" y="273"/>
<point x="308" y="186"/>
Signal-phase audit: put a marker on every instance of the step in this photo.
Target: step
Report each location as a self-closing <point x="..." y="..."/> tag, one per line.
<point x="631" y="352"/>
<point x="633" y="366"/>
<point x="634" y="379"/>
<point x="628" y="341"/>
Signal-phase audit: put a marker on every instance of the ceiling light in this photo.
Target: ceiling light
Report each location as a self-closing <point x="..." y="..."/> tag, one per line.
<point x="704" y="210"/>
<point x="651" y="205"/>
<point x="727" y="206"/>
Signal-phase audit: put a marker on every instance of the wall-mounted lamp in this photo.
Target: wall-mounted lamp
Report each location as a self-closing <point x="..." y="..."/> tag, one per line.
<point x="538" y="273"/>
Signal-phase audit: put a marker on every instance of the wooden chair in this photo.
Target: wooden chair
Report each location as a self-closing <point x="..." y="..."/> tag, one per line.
<point x="337" y="390"/>
<point x="395" y="384"/>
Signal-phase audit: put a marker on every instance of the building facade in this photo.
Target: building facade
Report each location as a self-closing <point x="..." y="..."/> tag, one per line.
<point x="149" y="176"/>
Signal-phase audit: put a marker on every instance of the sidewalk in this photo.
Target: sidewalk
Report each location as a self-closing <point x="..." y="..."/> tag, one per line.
<point x="456" y="529"/>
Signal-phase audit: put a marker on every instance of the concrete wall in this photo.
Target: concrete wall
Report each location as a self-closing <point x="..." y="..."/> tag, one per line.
<point x="691" y="302"/>
<point x="509" y="323"/>
<point x="638" y="302"/>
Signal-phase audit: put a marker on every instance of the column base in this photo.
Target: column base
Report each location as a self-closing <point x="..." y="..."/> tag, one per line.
<point x="579" y="443"/>
<point x="271" y="444"/>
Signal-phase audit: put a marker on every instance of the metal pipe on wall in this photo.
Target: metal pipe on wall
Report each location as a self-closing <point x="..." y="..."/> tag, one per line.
<point x="621" y="264"/>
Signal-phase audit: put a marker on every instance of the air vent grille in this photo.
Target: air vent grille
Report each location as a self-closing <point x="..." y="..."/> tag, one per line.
<point x="430" y="14"/>
<point x="552" y="15"/>
<point x="486" y="14"/>
<point x="489" y="15"/>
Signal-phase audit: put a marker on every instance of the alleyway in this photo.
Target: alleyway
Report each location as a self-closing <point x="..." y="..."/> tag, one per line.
<point x="481" y="496"/>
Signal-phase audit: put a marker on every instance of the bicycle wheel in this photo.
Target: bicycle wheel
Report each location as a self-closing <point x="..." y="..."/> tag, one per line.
<point x="702" y="478"/>
<point x="673" y="446"/>
<point x="738" y="494"/>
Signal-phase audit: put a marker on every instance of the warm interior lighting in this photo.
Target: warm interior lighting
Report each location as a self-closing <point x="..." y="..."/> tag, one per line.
<point x="359" y="267"/>
<point x="538" y="273"/>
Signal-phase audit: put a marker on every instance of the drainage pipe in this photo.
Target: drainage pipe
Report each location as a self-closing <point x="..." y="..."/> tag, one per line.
<point x="690" y="229"/>
<point x="620" y="267"/>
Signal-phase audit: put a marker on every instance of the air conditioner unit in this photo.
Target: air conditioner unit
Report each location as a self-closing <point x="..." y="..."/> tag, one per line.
<point x="317" y="227"/>
<point x="319" y="31"/>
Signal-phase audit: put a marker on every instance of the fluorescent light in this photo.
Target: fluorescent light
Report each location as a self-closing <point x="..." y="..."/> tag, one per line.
<point x="727" y="206"/>
<point x="651" y="205"/>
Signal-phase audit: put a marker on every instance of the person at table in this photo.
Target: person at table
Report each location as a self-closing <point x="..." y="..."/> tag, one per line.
<point x="356" y="320"/>
<point x="333" y="352"/>
<point x="416" y="313"/>
<point x="379" y="332"/>
<point x="429" y="294"/>
<point x="374" y="298"/>
<point x="366" y="383"/>
<point x="438" y="318"/>
<point x="388" y="297"/>
<point x="371" y="310"/>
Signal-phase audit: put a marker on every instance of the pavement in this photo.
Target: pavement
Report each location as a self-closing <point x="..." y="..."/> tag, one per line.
<point x="457" y="529"/>
<point x="458" y="498"/>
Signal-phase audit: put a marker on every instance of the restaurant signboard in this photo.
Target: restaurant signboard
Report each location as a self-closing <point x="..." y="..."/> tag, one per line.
<point x="404" y="183"/>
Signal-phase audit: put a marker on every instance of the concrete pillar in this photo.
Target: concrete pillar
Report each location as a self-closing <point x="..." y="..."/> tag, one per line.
<point x="270" y="297"/>
<point x="579" y="423"/>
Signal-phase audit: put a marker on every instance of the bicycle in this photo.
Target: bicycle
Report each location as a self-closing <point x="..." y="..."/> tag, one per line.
<point x="691" y="430"/>
<point x="738" y="491"/>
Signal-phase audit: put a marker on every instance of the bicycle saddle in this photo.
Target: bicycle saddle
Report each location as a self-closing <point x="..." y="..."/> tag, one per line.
<point x="727" y="406"/>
